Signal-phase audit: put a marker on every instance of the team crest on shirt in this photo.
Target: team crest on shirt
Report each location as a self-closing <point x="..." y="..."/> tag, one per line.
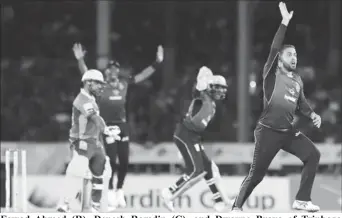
<point x="121" y="86"/>
<point x="116" y="95"/>
<point x="291" y="91"/>
<point x="116" y="92"/>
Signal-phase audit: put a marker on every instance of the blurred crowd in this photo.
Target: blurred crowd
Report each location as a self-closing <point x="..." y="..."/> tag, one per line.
<point x="40" y="77"/>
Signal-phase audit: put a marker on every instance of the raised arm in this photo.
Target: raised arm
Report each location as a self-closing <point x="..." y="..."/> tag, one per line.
<point x="79" y="55"/>
<point x="278" y="38"/>
<point x="148" y="71"/>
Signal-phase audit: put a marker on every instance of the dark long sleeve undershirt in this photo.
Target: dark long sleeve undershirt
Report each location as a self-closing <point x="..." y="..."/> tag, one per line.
<point x="303" y="105"/>
<point x="277" y="44"/>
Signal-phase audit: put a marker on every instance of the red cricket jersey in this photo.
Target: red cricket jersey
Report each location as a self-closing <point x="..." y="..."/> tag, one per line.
<point x="82" y="127"/>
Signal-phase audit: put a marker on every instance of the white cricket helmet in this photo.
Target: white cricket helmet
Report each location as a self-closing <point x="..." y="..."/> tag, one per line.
<point x="217" y="86"/>
<point x="93" y="75"/>
<point x="217" y="80"/>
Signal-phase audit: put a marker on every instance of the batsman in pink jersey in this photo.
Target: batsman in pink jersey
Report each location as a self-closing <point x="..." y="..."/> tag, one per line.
<point x="86" y="140"/>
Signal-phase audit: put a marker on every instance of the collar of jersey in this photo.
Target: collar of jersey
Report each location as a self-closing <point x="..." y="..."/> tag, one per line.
<point x="86" y="94"/>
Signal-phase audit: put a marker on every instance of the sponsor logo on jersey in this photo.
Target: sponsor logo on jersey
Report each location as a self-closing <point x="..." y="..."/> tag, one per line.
<point x="290" y="98"/>
<point x="291" y="91"/>
<point x="115" y="98"/>
<point x="116" y="92"/>
<point x="297" y="87"/>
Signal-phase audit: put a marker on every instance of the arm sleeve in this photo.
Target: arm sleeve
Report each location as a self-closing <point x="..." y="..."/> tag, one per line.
<point x="303" y="105"/>
<point x="145" y="73"/>
<point x="195" y="93"/>
<point x="127" y="76"/>
<point x="86" y="108"/>
<point x="131" y="80"/>
<point x="275" y="48"/>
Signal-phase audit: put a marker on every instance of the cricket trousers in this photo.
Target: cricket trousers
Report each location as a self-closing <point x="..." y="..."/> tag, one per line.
<point x="267" y="144"/>
<point x="197" y="163"/>
<point x="118" y="150"/>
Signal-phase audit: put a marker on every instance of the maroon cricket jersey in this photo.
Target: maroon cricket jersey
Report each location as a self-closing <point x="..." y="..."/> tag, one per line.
<point x="283" y="92"/>
<point x="112" y="101"/>
<point x="201" y="111"/>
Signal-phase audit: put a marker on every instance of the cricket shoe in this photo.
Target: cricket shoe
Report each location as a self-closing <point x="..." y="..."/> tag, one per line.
<point x="95" y="207"/>
<point x="120" y="198"/>
<point x="219" y="206"/>
<point x="64" y="208"/>
<point x="112" y="200"/>
<point x="166" y="196"/>
<point x="79" y="196"/>
<point x="305" y="206"/>
<point x="236" y="210"/>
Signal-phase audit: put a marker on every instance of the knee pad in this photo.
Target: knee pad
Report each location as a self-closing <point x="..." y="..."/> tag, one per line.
<point x="197" y="176"/>
<point x="78" y="166"/>
<point x="108" y="169"/>
<point x="215" y="170"/>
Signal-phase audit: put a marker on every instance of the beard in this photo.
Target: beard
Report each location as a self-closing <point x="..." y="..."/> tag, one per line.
<point x="289" y="67"/>
<point x="96" y="92"/>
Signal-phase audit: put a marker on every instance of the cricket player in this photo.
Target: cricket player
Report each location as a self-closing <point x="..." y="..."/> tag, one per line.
<point x="86" y="140"/>
<point x="112" y="103"/>
<point x="283" y="97"/>
<point x="188" y="136"/>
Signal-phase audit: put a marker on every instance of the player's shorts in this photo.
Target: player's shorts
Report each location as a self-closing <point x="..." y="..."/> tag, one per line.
<point x="88" y="147"/>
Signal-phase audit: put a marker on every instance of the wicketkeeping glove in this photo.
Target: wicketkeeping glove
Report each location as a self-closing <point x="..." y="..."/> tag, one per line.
<point x="112" y="133"/>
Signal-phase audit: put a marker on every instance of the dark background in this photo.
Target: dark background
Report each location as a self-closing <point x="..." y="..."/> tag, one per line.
<point x="40" y="78"/>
